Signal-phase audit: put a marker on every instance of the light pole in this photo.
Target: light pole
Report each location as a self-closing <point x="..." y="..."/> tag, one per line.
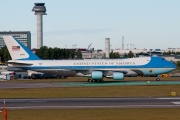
<point x="75" y="45"/>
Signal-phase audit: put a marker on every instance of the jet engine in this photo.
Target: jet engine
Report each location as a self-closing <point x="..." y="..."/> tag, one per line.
<point x="118" y="76"/>
<point x="97" y="75"/>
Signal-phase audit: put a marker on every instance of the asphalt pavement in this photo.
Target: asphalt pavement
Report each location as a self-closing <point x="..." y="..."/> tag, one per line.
<point x="74" y="103"/>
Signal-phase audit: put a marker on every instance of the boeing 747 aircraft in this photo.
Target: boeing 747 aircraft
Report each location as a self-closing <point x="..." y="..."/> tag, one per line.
<point x="94" y="69"/>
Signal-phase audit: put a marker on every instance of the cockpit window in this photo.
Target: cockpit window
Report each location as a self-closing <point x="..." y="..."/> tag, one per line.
<point x="163" y="59"/>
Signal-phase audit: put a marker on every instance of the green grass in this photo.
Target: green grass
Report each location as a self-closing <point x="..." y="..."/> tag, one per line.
<point x="96" y="114"/>
<point x="112" y="91"/>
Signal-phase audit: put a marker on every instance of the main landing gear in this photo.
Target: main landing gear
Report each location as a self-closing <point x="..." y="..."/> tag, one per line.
<point x="92" y="80"/>
<point x="158" y="79"/>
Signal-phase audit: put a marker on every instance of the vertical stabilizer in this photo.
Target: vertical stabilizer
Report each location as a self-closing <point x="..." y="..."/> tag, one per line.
<point x="17" y="50"/>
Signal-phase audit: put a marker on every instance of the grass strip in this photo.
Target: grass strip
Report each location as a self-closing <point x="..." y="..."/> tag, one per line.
<point x="96" y="114"/>
<point x="111" y="91"/>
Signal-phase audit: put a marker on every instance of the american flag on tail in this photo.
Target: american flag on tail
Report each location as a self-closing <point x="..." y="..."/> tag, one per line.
<point x="15" y="48"/>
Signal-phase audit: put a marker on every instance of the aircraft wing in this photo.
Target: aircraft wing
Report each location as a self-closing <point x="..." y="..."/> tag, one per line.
<point x="105" y="72"/>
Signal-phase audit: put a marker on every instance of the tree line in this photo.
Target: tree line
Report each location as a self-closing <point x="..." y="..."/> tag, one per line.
<point x="4" y="54"/>
<point x="46" y="53"/>
<point x="114" y="55"/>
<point x="171" y="53"/>
<point x="56" y="53"/>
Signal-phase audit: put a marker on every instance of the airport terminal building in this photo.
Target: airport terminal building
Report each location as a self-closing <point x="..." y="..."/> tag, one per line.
<point x="23" y="36"/>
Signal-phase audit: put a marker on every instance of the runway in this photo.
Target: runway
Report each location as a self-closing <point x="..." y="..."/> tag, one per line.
<point x="74" y="103"/>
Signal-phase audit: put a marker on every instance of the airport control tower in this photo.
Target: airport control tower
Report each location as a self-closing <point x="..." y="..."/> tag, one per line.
<point x="39" y="10"/>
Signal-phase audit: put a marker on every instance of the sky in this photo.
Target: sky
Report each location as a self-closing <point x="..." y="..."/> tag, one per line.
<point x="149" y="24"/>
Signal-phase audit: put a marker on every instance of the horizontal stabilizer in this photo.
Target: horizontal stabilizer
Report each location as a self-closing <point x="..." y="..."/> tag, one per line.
<point x="19" y="63"/>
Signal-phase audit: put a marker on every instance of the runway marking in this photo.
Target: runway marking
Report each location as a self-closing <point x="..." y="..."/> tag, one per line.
<point x="177" y="103"/>
<point x="37" y="101"/>
<point x="173" y="98"/>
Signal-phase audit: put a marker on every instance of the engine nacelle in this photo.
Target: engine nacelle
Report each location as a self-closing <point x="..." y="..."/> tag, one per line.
<point x="118" y="76"/>
<point x="97" y="75"/>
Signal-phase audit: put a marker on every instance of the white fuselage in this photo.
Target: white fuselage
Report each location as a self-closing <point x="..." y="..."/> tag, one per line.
<point x="81" y="67"/>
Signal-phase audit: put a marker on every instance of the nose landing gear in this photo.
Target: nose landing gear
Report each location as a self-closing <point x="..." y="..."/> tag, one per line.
<point x="92" y="80"/>
<point x="158" y="79"/>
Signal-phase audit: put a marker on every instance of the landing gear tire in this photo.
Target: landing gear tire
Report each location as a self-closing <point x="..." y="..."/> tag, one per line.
<point x="158" y="79"/>
<point x="102" y="81"/>
<point x="90" y="80"/>
<point x="99" y="81"/>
